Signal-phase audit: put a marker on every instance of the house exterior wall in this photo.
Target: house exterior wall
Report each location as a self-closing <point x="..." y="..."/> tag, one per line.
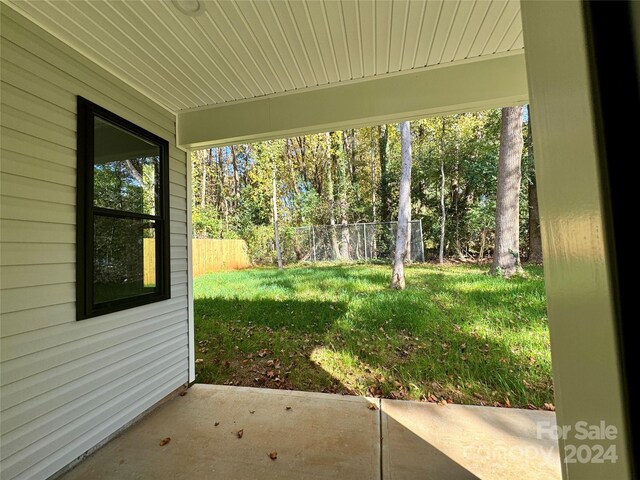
<point x="66" y="385"/>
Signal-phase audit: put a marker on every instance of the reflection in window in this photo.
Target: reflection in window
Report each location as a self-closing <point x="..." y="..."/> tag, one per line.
<point x="124" y="258"/>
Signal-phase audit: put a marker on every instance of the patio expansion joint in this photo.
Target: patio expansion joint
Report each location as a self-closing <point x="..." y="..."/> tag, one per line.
<point x="380" y="437"/>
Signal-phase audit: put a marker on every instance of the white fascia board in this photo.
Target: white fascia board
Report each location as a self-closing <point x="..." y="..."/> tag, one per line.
<point x="492" y="82"/>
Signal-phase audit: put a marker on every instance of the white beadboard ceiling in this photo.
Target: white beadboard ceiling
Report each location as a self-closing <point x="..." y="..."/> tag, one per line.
<point x="235" y="50"/>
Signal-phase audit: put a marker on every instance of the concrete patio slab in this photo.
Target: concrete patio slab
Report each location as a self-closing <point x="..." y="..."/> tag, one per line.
<point x="456" y="442"/>
<point x="324" y="436"/>
<point x="321" y="436"/>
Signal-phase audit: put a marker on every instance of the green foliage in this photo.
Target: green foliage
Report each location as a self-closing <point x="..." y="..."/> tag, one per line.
<point x="454" y="333"/>
<point x="206" y="223"/>
<point x="260" y="244"/>
<point x="333" y="176"/>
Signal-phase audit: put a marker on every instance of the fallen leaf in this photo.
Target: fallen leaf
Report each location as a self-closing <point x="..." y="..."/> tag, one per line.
<point x="288" y="408"/>
<point x="550" y="406"/>
<point x="372" y="406"/>
<point x="273" y="455"/>
<point x="183" y="393"/>
<point x="240" y="433"/>
<point x="216" y="424"/>
<point x="252" y="412"/>
<point x="164" y="441"/>
<point x="507" y="403"/>
<point x="199" y="361"/>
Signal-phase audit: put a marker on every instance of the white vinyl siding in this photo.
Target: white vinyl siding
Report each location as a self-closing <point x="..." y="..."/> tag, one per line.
<point x="66" y="385"/>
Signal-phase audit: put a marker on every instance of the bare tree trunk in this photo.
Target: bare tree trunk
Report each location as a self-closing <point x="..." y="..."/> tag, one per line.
<point x="222" y="194"/>
<point x="456" y="206"/>
<point x="374" y="252"/>
<point x="236" y="183"/>
<point x="385" y="197"/>
<point x="535" y="237"/>
<point x="483" y="241"/>
<point x="354" y="152"/>
<point x="302" y="147"/>
<point x="203" y="183"/>
<point x="275" y="219"/>
<point x="506" y="257"/>
<point x="134" y="172"/>
<point x="331" y="197"/>
<point x="404" y="210"/>
<point x="443" y="212"/>
<point x="343" y="179"/>
<point x="226" y="214"/>
<point x="373" y="176"/>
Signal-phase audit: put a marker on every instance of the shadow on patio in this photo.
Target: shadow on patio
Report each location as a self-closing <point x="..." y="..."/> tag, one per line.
<point x="322" y="436"/>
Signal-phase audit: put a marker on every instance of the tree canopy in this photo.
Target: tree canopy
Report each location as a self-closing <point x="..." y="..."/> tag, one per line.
<point x="353" y="176"/>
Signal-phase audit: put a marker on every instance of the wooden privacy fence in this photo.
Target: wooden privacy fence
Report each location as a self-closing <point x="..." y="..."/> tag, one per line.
<point x="208" y="256"/>
<point x="218" y="255"/>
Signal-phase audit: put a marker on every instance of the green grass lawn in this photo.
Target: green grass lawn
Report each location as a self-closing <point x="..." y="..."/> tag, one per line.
<point x="455" y="334"/>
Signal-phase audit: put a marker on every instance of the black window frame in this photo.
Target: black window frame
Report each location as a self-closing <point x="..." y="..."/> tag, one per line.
<point x="86" y="212"/>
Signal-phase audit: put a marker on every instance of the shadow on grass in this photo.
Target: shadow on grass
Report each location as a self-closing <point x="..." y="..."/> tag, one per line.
<point x="308" y="316"/>
<point x="265" y="343"/>
<point x="463" y="337"/>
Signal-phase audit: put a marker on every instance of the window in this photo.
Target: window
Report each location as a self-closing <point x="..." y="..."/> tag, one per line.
<point x="123" y="214"/>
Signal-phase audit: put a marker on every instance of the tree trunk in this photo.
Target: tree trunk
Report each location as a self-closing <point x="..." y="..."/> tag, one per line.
<point x="275" y="219"/>
<point x="443" y="212"/>
<point x="506" y="257"/>
<point x="535" y="238"/>
<point x="302" y="147"/>
<point x="236" y="182"/>
<point x="222" y="194"/>
<point x="203" y="183"/>
<point x="343" y="191"/>
<point x="483" y="241"/>
<point x="404" y="210"/>
<point x="226" y="215"/>
<point x="331" y="198"/>
<point x="354" y="151"/>
<point x="385" y="197"/>
<point x="373" y="176"/>
<point x="372" y="240"/>
<point x="456" y="207"/>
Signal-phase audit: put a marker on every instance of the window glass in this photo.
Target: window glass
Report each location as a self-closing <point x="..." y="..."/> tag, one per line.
<point x="125" y="170"/>
<point x="124" y="258"/>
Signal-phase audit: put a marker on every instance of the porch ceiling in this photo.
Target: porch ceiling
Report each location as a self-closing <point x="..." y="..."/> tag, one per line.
<point x="225" y="51"/>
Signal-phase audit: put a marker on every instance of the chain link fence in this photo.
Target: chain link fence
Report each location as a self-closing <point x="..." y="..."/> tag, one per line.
<point x="355" y="241"/>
